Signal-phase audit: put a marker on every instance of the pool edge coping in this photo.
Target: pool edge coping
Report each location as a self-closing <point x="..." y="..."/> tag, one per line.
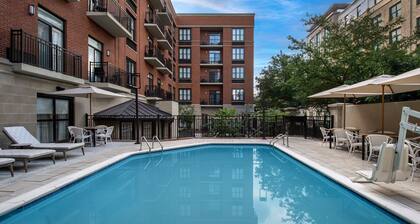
<point x="398" y="209"/>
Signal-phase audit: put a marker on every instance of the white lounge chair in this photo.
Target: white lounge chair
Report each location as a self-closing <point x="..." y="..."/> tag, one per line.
<point x="414" y="155"/>
<point x="354" y="141"/>
<point x="383" y="170"/>
<point x="27" y="155"/>
<point x="375" y="142"/>
<point x="22" y="138"/>
<point x="8" y="162"/>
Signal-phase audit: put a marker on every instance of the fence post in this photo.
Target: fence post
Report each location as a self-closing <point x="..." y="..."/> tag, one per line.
<point x="263" y="127"/>
<point x="193" y="131"/>
<point x="305" y="126"/>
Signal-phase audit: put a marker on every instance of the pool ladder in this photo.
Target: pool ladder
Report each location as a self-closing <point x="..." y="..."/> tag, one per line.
<point x="284" y="137"/>
<point x="155" y="138"/>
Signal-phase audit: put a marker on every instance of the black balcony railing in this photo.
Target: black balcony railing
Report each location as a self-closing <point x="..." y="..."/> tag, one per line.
<point x="31" y="50"/>
<point x="153" y="52"/>
<point x="169" y="65"/>
<point x="184" y="61"/>
<point x="112" y="7"/>
<point x="211" y="61"/>
<point x="212" y="101"/>
<point x="211" y="79"/>
<point x="211" y="42"/>
<point x="152" y="18"/>
<point x="154" y="91"/>
<point x="106" y="73"/>
<point x="169" y="37"/>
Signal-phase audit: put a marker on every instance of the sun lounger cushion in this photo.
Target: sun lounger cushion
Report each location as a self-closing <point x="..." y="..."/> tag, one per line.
<point x="25" y="154"/>
<point x="20" y="135"/>
<point x="58" y="146"/>
<point x="6" y="161"/>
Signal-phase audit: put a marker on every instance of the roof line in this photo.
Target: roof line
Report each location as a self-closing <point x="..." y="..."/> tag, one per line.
<point x="215" y="14"/>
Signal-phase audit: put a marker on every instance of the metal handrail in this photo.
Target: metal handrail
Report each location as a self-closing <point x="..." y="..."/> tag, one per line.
<point x="143" y="138"/>
<point x="284" y="137"/>
<point x="158" y="141"/>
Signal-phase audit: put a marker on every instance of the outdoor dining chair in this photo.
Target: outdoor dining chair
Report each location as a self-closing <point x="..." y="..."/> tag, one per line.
<point x="325" y="136"/>
<point x="375" y="142"/>
<point x="340" y="138"/>
<point x="79" y="135"/>
<point x="354" y="140"/>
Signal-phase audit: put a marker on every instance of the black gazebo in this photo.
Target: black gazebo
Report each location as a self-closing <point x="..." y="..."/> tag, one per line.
<point x="153" y="121"/>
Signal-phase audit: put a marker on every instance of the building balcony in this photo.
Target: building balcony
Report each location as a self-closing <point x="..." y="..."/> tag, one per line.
<point x="185" y="42"/>
<point x="106" y="76"/>
<point x="238" y="80"/>
<point x="154" y="57"/>
<point x="167" y="42"/>
<point x="212" y="102"/>
<point x="184" y="61"/>
<point x="211" y="62"/>
<point x="33" y="56"/>
<point x="167" y="69"/>
<point x="211" y="80"/>
<point x="238" y="43"/>
<point x="157" y="4"/>
<point x="211" y="44"/>
<point x="184" y="80"/>
<point x="157" y="93"/>
<point x="109" y="15"/>
<point x="165" y="17"/>
<point x="238" y="62"/>
<point x="153" y="25"/>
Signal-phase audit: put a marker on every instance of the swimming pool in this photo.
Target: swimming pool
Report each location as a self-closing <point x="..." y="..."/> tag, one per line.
<point x="204" y="184"/>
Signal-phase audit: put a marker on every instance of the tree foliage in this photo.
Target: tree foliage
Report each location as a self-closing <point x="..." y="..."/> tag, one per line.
<point x="348" y="53"/>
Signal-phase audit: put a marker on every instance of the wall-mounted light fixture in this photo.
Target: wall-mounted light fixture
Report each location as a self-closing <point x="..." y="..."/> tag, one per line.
<point x="31" y="9"/>
<point x="108" y="53"/>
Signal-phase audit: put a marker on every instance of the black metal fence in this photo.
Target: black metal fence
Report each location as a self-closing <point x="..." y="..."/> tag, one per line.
<point x="250" y="126"/>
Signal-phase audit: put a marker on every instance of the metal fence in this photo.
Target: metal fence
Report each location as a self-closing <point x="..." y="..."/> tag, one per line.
<point x="249" y="126"/>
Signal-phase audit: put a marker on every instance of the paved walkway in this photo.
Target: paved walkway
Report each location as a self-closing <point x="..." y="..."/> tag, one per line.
<point x="43" y="172"/>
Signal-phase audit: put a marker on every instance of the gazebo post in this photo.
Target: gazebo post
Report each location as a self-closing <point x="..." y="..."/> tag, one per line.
<point x="137" y="117"/>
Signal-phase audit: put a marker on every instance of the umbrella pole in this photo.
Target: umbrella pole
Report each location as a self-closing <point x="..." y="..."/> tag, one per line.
<point x="344" y="112"/>
<point x="383" y="110"/>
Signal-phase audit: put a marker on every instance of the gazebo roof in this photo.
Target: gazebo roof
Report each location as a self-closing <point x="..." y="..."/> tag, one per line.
<point x="127" y="110"/>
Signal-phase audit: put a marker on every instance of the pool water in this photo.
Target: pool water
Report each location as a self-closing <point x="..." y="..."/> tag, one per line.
<point x="205" y="184"/>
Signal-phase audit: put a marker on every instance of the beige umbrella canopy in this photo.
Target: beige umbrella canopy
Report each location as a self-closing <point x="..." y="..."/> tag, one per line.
<point x="88" y="92"/>
<point x="336" y="93"/>
<point x="409" y="78"/>
<point x="377" y="86"/>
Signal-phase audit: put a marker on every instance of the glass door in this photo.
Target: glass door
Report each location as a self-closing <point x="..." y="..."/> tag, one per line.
<point x="215" y="97"/>
<point x="96" y="67"/>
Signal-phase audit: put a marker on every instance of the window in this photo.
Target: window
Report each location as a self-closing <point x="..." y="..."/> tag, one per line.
<point x="50" y="29"/>
<point x="237" y="94"/>
<point x="238" y="73"/>
<point x="184" y="73"/>
<point x="131" y="22"/>
<point x="214" y="39"/>
<point x="150" y="80"/>
<point x="185" y="94"/>
<point x="237" y="174"/>
<point x="377" y="19"/>
<point x="317" y="38"/>
<point x="215" y="97"/>
<point x="214" y="57"/>
<point x="54" y="115"/>
<point x="95" y="60"/>
<point x="395" y="11"/>
<point x="185" y="34"/>
<point x="238" y="34"/>
<point x="131" y="72"/>
<point x="184" y="54"/>
<point x="395" y="35"/>
<point x="237" y="54"/>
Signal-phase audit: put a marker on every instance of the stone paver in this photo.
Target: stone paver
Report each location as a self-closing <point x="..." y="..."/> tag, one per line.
<point x="43" y="172"/>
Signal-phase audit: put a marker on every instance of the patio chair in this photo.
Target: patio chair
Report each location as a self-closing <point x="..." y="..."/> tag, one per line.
<point x="8" y="162"/>
<point x="414" y="155"/>
<point x="108" y="134"/>
<point x="101" y="133"/>
<point x="27" y="155"/>
<point x="22" y="138"/>
<point x="325" y="136"/>
<point x="354" y="141"/>
<point x="375" y="142"/>
<point x="79" y="135"/>
<point x="340" y="138"/>
<point x="382" y="171"/>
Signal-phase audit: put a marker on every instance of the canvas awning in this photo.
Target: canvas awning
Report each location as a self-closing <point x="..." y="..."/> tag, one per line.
<point x="127" y="110"/>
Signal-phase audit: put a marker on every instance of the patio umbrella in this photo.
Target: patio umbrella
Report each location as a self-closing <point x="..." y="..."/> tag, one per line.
<point x="88" y="92"/>
<point x="376" y="86"/>
<point x="335" y="93"/>
<point x="409" y="78"/>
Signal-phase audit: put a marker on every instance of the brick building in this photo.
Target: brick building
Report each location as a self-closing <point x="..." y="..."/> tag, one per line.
<point x="117" y="45"/>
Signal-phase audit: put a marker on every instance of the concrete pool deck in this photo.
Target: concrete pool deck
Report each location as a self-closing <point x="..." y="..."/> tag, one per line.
<point x="43" y="174"/>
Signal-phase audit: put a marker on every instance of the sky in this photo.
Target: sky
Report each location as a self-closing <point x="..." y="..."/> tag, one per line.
<point x="275" y="20"/>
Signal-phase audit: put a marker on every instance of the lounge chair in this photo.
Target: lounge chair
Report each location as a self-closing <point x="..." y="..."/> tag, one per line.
<point x="383" y="170"/>
<point x="22" y="138"/>
<point x="8" y="162"/>
<point x="27" y="155"/>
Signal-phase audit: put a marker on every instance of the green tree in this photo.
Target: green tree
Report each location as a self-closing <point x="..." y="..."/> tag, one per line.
<point x="348" y="53"/>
